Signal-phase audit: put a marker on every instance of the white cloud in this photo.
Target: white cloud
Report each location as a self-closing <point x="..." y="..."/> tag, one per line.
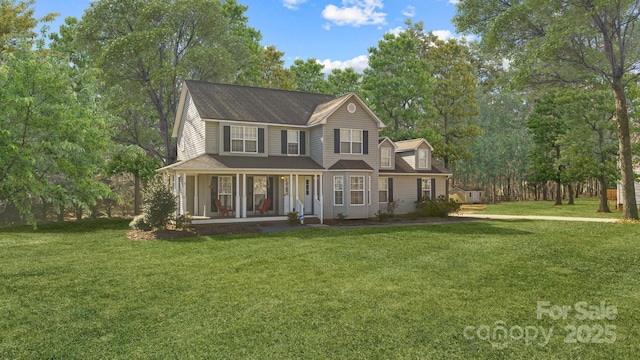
<point x="443" y="34"/>
<point x="454" y="2"/>
<point x="292" y="4"/>
<point x="358" y="63"/>
<point x="410" y="11"/>
<point x="355" y="13"/>
<point x="396" y="31"/>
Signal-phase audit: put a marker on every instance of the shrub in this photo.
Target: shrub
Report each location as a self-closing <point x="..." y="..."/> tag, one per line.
<point x="139" y="223"/>
<point x="293" y="217"/>
<point x="383" y="216"/>
<point x="183" y="221"/>
<point x="341" y="217"/>
<point x="159" y="203"/>
<point x="440" y="207"/>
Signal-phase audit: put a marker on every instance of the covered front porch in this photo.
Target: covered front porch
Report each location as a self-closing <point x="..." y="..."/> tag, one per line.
<point x="222" y="194"/>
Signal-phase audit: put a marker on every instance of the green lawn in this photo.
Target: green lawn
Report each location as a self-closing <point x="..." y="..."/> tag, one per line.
<point x="584" y="207"/>
<point x="81" y="291"/>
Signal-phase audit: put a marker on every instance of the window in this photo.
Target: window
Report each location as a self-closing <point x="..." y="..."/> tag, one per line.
<point x="338" y="190"/>
<point x="225" y="190"/>
<point x="422" y="158"/>
<point x="259" y="189"/>
<point x="385" y="157"/>
<point x="383" y="189"/>
<point x="356" y="187"/>
<point x="426" y="189"/>
<point x="244" y="139"/>
<point x="350" y="141"/>
<point x="293" y="142"/>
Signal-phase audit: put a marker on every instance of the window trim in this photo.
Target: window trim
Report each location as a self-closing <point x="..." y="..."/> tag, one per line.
<point x="351" y="190"/>
<point x="385" y="181"/>
<point x="244" y="139"/>
<point x="350" y="141"/>
<point x="335" y="191"/>
<point x="289" y="142"/>
<point x="424" y="189"/>
<point x="382" y="157"/>
<point x="425" y="158"/>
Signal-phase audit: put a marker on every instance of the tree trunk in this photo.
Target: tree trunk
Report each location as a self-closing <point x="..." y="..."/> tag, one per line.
<point x="545" y="197"/>
<point x="603" y="204"/>
<point x="570" y="192"/>
<point x="558" y="193"/>
<point x="61" y="213"/>
<point x="629" y="210"/>
<point x="136" y="194"/>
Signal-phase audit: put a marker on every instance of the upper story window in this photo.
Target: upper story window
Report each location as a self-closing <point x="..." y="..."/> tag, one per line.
<point x="293" y="142"/>
<point x="385" y="157"/>
<point x="244" y="139"/>
<point x="350" y="141"/>
<point x="422" y="158"/>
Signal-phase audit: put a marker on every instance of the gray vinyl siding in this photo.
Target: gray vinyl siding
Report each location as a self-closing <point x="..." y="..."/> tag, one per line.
<point x="273" y="145"/>
<point x="220" y="137"/>
<point x="405" y="191"/>
<point x="212" y="145"/>
<point x="315" y="143"/>
<point x="409" y="157"/>
<point x="191" y="135"/>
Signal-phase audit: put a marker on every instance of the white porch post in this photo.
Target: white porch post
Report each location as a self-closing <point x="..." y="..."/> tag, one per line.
<point x="321" y="201"/>
<point x="297" y="195"/>
<point x="195" y="195"/>
<point x="175" y="191"/>
<point x="237" y="209"/>
<point x="244" y="195"/>
<point x="290" y="192"/>
<point x="183" y="194"/>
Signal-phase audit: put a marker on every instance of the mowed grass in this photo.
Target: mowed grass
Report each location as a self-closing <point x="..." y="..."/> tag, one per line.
<point x="583" y="207"/>
<point x="81" y="291"/>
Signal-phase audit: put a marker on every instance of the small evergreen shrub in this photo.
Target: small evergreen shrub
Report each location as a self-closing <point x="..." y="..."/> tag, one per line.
<point x="183" y="221"/>
<point x="440" y="207"/>
<point x="383" y="216"/>
<point x="139" y="223"/>
<point x="158" y="203"/>
<point x="293" y="217"/>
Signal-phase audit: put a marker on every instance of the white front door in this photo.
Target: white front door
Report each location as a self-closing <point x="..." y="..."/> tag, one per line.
<point x="308" y="197"/>
<point x="285" y="191"/>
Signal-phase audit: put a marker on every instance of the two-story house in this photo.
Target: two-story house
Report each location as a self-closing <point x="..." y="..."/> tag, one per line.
<point x="245" y="152"/>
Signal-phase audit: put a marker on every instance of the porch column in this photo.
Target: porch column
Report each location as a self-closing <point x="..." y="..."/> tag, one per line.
<point x="183" y="194"/>
<point x="290" y="192"/>
<point x="244" y="195"/>
<point x="195" y="196"/>
<point x="237" y="209"/>
<point x="175" y="190"/>
<point x="321" y="201"/>
<point x="297" y="195"/>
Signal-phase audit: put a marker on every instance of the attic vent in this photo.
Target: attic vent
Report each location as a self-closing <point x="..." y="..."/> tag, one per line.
<point x="351" y="108"/>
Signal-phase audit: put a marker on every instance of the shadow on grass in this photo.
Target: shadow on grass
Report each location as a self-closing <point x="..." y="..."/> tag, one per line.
<point x="71" y="227"/>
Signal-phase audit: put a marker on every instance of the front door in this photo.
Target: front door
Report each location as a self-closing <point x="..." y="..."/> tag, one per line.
<point x="308" y="196"/>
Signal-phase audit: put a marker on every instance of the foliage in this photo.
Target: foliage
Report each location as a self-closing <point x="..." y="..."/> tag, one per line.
<point x="439" y="207"/>
<point x="308" y="76"/>
<point x="272" y="72"/>
<point x="147" y="48"/>
<point x="341" y="82"/>
<point x="293" y="218"/>
<point x="53" y="132"/>
<point x="398" y="85"/>
<point x="139" y="222"/>
<point x="566" y="42"/>
<point x="183" y="221"/>
<point x="159" y="203"/>
<point x="383" y="216"/>
<point x="17" y="22"/>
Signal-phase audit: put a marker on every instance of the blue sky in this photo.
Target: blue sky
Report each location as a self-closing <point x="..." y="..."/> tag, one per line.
<point x="335" y="32"/>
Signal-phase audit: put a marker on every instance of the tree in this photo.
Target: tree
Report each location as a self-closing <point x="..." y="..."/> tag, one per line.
<point x="398" y="85"/>
<point x="341" y="82"/>
<point x="53" y="132"/>
<point x="308" y="76"/>
<point x="455" y="94"/>
<point x="272" y="72"/>
<point x="148" y="48"/>
<point x="17" y="21"/>
<point x="566" y="41"/>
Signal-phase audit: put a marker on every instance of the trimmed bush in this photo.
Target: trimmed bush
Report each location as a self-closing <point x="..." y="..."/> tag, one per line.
<point x="293" y="217"/>
<point x="440" y="207"/>
<point x="183" y="221"/>
<point x="159" y="203"/>
<point x="139" y="223"/>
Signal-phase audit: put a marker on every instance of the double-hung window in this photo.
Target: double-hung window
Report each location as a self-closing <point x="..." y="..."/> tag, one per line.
<point x="356" y="188"/>
<point x="350" y="141"/>
<point x="244" y="139"/>
<point x="293" y="142"/>
<point x="338" y="190"/>
<point x="385" y="157"/>
<point x="422" y="158"/>
<point x="383" y="189"/>
<point x="225" y="190"/>
<point x="426" y="189"/>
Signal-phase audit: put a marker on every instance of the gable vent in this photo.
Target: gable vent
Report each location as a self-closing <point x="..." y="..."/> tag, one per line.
<point x="351" y="108"/>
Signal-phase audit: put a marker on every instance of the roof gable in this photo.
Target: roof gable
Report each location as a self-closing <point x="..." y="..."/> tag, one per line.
<point x="323" y="111"/>
<point x="413" y="144"/>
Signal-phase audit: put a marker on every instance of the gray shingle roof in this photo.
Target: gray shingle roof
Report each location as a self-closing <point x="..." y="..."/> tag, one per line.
<point x="252" y="104"/>
<point x="351" y="165"/>
<point x="208" y="162"/>
<point x="402" y="167"/>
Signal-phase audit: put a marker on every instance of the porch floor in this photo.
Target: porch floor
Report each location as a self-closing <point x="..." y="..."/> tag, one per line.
<point x="200" y="220"/>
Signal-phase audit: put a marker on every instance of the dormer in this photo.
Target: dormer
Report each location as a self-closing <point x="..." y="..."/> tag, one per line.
<point x="416" y="152"/>
<point x="386" y="150"/>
